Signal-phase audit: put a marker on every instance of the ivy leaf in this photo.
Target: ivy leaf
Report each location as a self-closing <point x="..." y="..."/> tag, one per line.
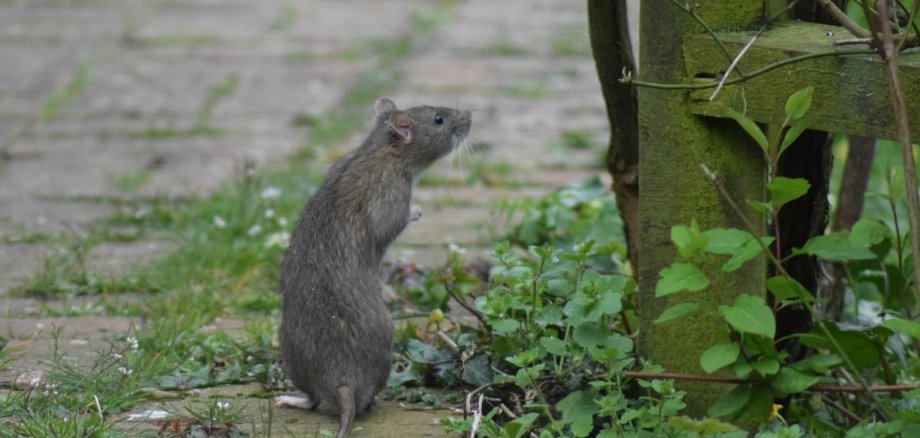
<point x="719" y="356"/>
<point x="689" y="240"/>
<point x="750" y="127"/>
<point x="678" y="277"/>
<point x="681" y="310"/>
<point x="750" y="314"/>
<point x="790" y="381"/>
<point x="477" y="371"/>
<point x="798" y="104"/>
<point x="909" y="328"/>
<point x="725" y="240"/>
<point x="785" y="189"/>
<point x="750" y="250"/>
<point x="578" y="409"/>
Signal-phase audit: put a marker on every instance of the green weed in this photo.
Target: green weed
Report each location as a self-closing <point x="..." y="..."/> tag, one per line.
<point x="78" y="83"/>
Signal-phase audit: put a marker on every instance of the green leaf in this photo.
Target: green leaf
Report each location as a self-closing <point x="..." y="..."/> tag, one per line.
<point x="578" y="410"/>
<point x="789" y="381"/>
<point x="505" y="326"/>
<point x="678" y="277"/>
<point x="867" y="233"/>
<point x="750" y="127"/>
<point x="909" y="328"/>
<point x="750" y="314"/>
<point x="747" y="252"/>
<point x="520" y="426"/>
<point x="760" y="207"/>
<point x="786" y="288"/>
<point x="725" y="240"/>
<point x="819" y="363"/>
<point x="590" y="334"/>
<point x="553" y="345"/>
<point x="836" y="247"/>
<point x="719" y="356"/>
<point x="797" y="104"/>
<point x="477" y="371"/>
<point x="681" y="310"/>
<point x="796" y="130"/>
<point x="857" y="346"/>
<point x="785" y="189"/>
<point x="766" y="365"/>
<point x="689" y="240"/>
<point x="732" y="402"/>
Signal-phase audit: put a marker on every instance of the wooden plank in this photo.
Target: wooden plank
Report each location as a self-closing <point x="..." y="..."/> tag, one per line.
<point x="673" y="142"/>
<point x="851" y="92"/>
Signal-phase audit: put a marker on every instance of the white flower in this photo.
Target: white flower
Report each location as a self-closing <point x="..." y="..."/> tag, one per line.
<point x="271" y="193"/>
<point x="270" y="213"/>
<point x="279" y="239"/>
<point x="125" y="371"/>
<point x="221" y="404"/>
<point x="219" y="222"/>
<point x="453" y="247"/>
<point x="255" y="229"/>
<point x="132" y="341"/>
<point x="282" y="221"/>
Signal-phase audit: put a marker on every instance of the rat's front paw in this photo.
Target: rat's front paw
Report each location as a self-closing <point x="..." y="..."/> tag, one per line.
<point x="415" y="212"/>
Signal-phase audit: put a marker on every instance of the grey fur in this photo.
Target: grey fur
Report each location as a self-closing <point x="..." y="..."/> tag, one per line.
<point x="336" y="332"/>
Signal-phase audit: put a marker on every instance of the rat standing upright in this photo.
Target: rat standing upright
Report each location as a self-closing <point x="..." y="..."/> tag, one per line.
<point x="336" y="332"/>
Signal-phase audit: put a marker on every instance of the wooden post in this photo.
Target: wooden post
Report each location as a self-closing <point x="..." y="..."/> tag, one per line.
<point x="673" y="189"/>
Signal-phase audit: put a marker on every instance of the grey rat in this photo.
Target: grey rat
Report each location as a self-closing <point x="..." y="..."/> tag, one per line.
<point x="336" y="332"/>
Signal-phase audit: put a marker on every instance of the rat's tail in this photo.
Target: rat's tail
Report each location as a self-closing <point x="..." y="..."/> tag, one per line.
<point x="347" y="409"/>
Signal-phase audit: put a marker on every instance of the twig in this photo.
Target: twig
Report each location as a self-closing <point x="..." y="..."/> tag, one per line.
<point x="627" y="78"/>
<point x="843" y="19"/>
<point x="477" y="418"/>
<point x="736" y="381"/>
<point x="465" y="305"/>
<point x="447" y="340"/>
<point x="843" y="410"/>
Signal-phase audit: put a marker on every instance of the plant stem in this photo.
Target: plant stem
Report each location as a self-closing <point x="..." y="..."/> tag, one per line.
<point x="889" y="54"/>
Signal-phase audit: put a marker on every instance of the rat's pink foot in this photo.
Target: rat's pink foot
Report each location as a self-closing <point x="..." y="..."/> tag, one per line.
<point x="287" y="401"/>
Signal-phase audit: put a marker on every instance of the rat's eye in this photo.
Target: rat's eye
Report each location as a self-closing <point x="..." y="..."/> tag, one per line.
<point x="438" y="119"/>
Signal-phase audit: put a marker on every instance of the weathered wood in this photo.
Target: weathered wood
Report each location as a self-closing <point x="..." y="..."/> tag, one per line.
<point x="851" y="92"/>
<point x="673" y="144"/>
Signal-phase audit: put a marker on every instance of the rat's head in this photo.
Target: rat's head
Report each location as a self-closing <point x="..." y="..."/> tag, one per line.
<point x="423" y="134"/>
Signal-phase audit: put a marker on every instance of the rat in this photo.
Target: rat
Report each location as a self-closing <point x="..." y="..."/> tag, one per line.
<point x="336" y="331"/>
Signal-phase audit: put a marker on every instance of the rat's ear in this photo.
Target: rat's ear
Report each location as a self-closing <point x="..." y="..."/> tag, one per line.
<point x="384" y="105"/>
<point x="400" y="124"/>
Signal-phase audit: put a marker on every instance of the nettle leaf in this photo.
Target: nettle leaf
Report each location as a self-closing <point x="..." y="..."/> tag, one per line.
<point x="725" y="240"/>
<point x="750" y="314"/>
<point x="796" y="130"/>
<point x="799" y="103"/>
<point x="909" y="328"/>
<point x="790" y="381"/>
<point x="747" y="252"/>
<point x="590" y="334"/>
<point x="719" y="356"/>
<point x="787" y="288"/>
<point x="683" y="309"/>
<point x="578" y="409"/>
<point x="689" y="240"/>
<point x="785" y="189"/>
<point x="678" y="277"/>
<point x="750" y="127"/>
<point x="553" y="345"/>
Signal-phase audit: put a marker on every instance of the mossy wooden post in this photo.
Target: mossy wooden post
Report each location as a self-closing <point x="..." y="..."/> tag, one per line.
<point x="673" y="189"/>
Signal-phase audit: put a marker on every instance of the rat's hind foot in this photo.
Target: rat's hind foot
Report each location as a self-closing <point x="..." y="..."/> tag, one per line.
<point x="286" y="401"/>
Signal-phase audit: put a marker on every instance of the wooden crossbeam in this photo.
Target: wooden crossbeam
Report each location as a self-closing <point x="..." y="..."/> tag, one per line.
<point x="851" y="92"/>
